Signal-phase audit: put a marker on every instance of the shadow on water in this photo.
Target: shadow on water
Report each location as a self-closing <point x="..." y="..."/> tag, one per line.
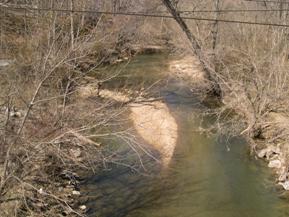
<point x="209" y="176"/>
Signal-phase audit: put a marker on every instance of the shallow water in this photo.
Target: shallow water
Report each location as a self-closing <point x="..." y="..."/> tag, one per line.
<point x="209" y="176"/>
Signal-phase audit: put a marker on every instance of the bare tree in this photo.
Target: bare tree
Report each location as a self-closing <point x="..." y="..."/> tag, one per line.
<point x="196" y="48"/>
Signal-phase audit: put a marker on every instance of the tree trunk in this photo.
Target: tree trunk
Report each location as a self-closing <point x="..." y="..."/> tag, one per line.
<point x="72" y="23"/>
<point x="215" y="32"/>
<point x="216" y="26"/>
<point x="281" y="7"/>
<point x="196" y="47"/>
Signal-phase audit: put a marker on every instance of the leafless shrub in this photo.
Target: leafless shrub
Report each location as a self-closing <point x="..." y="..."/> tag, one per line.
<point x="47" y="131"/>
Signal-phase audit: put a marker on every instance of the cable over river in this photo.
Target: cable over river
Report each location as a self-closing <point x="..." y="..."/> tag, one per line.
<point x="207" y="176"/>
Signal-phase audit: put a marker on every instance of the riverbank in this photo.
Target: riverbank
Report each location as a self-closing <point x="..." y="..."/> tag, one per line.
<point x="204" y="165"/>
<point x="267" y="136"/>
<point x="76" y="147"/>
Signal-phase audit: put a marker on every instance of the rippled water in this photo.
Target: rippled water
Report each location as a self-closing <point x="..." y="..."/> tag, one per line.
<point x="209" y="176"/>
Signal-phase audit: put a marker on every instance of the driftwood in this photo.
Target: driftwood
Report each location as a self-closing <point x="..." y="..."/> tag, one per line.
<point x="196" y="47"/>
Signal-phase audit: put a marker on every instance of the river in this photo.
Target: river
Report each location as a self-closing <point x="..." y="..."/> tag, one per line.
<point x="209" y="175"/>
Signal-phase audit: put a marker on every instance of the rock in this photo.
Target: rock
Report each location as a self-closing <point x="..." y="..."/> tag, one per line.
<point x="282" y="177"/>
<point x="82" y="207"/>
<point x="282" y="174"/>
<point x="75" y="192"/>
<point x="269" y="152"/>
<point x="285" y="185"/>
<point x="15" y="114"/>
<point x="262" y="153"/>
<point x="4" y="63"/>
<point x="275" y="164"/>
<point x="40" y="191"/>
<point x="277" y="150"/>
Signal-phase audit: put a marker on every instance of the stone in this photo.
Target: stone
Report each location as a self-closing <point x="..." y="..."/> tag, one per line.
<point x="285" y="185"/>
<point x="262" y="153"/>
<point x="82" y="207"/>
<point x="4" y="63"/>
<point x="40" y="191"/>
<point x="275" y="164"/>
<point x="269" y="152"/>
<point x="15" y="114"/>
<point x="75" y="192"/>
<point x="282" y="177"/>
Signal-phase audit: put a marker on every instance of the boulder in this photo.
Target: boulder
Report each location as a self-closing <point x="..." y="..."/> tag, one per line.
<point x="275" y="164"/>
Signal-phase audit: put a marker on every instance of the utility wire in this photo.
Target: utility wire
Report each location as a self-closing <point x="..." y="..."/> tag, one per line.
<point x="268" y="1"/>
<point x="199" y="11"/>
<point x="234" y="10"/>
<point x="147" y="15"/>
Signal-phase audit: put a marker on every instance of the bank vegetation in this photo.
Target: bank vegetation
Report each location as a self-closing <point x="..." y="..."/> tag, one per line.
<point x="50" y="129"/>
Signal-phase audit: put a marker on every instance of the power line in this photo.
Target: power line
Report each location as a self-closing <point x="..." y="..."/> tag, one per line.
<point x="195" y="11"/>
<point x="147" y="15"/>
<point x="268" y="1"/>
<point x="234" y="10"/>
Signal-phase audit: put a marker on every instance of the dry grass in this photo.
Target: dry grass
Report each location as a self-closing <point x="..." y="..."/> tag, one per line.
<point x="47" y="132"/>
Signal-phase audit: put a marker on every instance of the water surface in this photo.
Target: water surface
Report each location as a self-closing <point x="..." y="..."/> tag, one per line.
<point x="209" y="176"/>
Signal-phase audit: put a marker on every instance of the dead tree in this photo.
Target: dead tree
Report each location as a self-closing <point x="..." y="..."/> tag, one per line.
<point x="216" y="27"/>
<point x="215" y="31"/>
<point x="281" y="8"/>
<point x="196" y="48"/>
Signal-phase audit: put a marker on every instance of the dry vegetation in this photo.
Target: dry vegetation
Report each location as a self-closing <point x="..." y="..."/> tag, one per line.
<point x="251" y="64"/>
<point x="48" y="132"/>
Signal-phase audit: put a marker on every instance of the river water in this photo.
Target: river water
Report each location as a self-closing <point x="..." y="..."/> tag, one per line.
<point x="209" y="175"/>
